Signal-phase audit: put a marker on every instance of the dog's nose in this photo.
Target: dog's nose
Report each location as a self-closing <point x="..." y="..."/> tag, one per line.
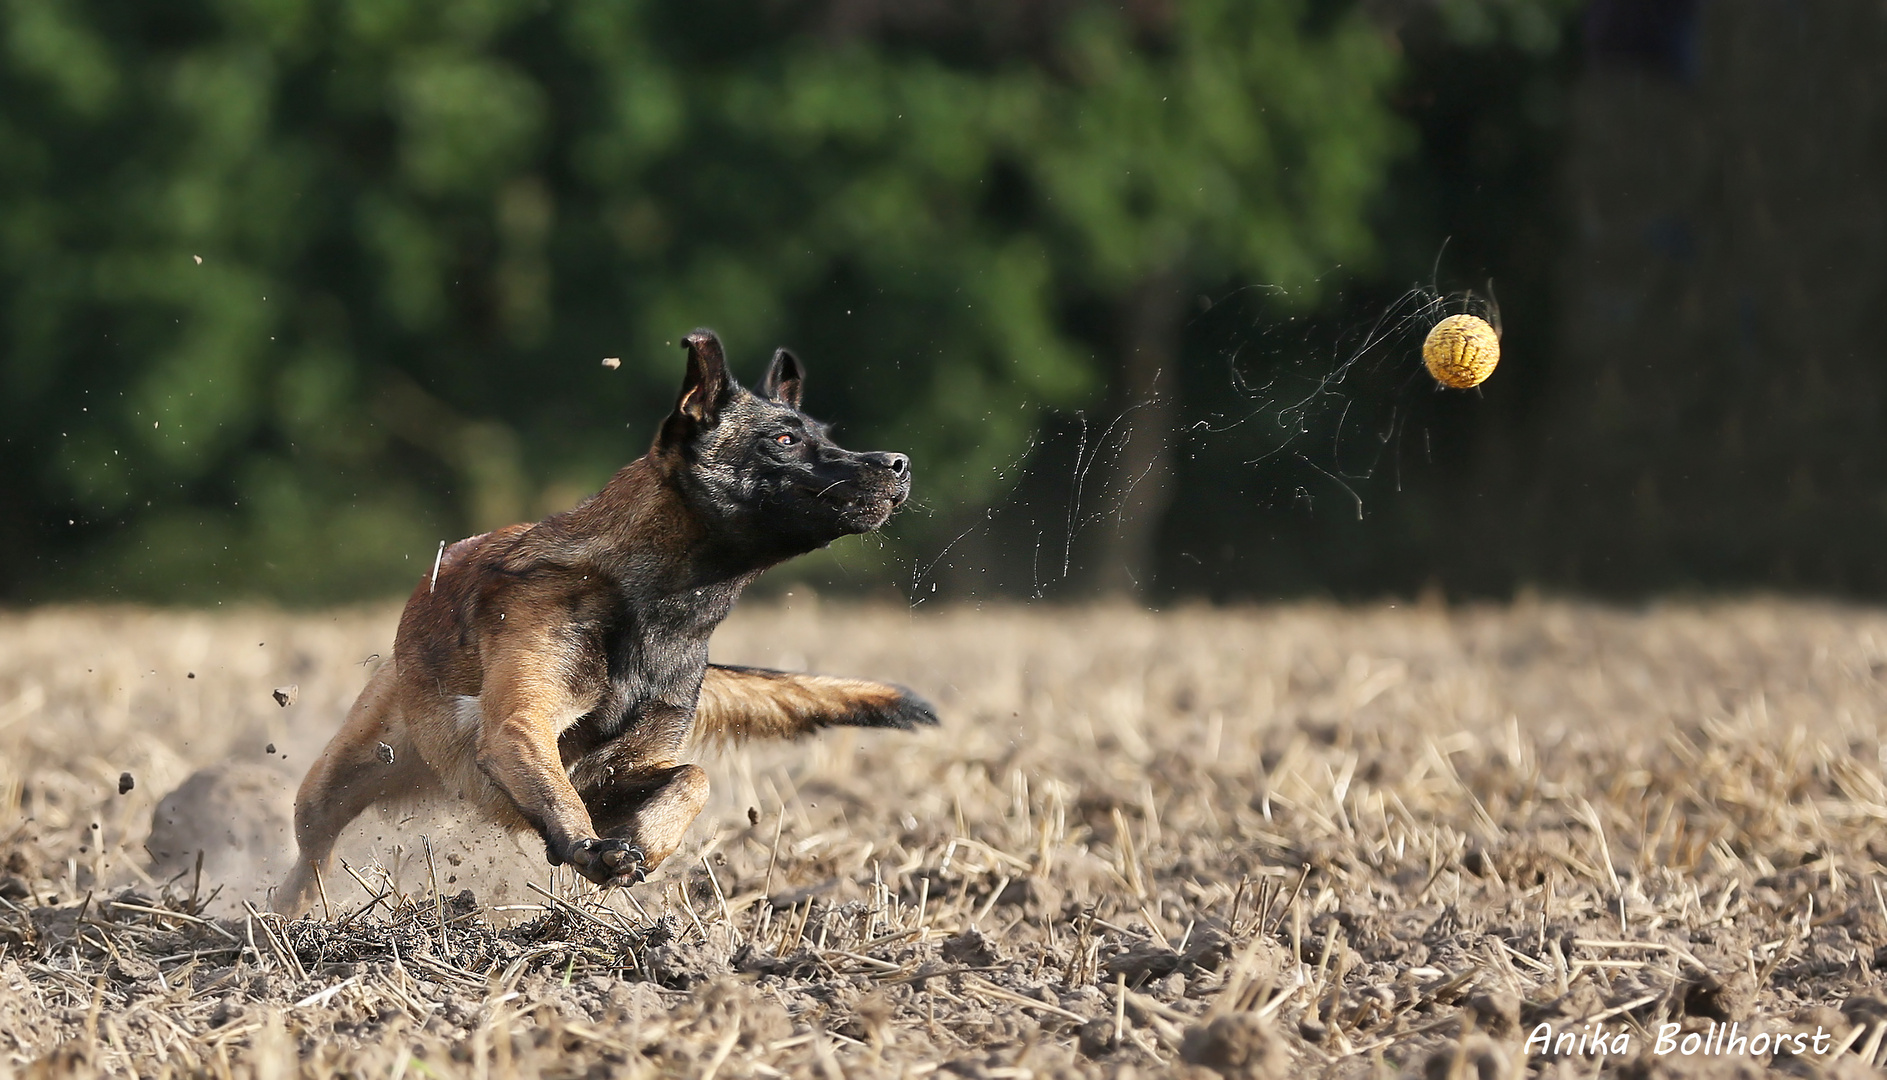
<point x="897" y="463"/>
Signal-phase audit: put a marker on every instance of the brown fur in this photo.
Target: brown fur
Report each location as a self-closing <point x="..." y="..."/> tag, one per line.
<point x="554" y="674"/>
<point x="741" y="703"/>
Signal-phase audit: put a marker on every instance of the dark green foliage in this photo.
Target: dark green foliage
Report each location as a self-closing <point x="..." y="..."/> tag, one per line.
<point x="422" y="224"/>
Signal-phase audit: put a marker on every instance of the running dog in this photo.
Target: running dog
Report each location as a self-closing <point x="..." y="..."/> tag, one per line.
<point x="553" y="674"/>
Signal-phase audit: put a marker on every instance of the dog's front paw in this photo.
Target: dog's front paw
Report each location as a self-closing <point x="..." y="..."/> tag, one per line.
<point x="635" y="875"/>
<point x="607" y="861"/>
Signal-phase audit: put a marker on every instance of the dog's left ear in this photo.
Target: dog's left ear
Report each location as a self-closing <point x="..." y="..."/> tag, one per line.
<point x="785" y="379"/>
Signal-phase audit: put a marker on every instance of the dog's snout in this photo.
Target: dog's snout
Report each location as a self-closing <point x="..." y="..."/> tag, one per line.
<point x="897" y="463"/>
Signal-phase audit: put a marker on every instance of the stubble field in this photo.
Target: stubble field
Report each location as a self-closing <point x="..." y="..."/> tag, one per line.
<point x="1304" y="840"/>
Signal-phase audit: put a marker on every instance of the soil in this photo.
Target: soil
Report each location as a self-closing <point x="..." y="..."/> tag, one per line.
<point x="1542" y="839"/>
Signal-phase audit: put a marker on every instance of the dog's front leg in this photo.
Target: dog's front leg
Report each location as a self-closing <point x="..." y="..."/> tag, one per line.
<point x="649" y="804"/>
<point x="525" y="705"/>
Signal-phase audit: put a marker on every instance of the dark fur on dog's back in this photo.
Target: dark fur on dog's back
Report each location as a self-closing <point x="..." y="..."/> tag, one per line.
<point x="553" y="674"/>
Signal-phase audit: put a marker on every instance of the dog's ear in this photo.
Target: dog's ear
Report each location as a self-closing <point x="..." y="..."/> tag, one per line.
<point x="705" y="389"/>
<point x="785" y="379"/>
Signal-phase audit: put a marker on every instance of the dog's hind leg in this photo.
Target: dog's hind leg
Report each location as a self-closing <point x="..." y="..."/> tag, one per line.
<point x="370" y="760"/>
<point x="648" y="805"/>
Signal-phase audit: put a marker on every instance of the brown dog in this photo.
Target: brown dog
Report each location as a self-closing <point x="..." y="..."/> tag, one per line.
<point x="552" y="674"/>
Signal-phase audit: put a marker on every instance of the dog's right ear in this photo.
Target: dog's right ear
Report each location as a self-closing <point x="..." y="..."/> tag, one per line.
<point x="704" y="389"/>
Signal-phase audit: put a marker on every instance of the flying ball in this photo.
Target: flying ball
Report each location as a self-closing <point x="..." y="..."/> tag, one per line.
<point x="1461" y="351"/>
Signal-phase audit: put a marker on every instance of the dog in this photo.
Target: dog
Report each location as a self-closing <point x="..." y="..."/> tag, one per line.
<point x="553" y="674"/>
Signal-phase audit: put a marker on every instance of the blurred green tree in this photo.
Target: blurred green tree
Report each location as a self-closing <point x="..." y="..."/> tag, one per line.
<point x="293" y="290"/>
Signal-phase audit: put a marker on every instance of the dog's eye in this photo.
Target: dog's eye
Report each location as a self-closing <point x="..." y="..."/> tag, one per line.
<point x="785" y="438"/>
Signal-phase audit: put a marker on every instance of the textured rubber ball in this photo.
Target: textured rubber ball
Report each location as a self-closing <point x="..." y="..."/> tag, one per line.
<point x="1461" y="351"/>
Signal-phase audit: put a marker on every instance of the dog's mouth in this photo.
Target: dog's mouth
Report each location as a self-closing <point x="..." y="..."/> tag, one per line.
<point x="881" y="505"/>
<point x="865" y="507"/>
<point x="885" y="501"/>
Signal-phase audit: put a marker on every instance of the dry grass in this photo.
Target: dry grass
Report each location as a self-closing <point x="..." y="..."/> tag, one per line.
<point x="1264" y="842"/>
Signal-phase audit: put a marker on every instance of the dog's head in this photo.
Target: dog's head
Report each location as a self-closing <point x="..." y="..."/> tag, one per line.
<point x="753" y="461"/>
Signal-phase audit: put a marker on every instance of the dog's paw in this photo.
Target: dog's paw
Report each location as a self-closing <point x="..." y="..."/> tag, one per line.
<point x="607" y="861"/>
<point x="636" y="875"/>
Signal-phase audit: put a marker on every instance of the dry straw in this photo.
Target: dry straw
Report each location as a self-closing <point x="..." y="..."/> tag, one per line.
<point x="1268" y="842"/>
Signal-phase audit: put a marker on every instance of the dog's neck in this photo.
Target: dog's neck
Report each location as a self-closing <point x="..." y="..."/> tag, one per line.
<point x="643" y="531"/>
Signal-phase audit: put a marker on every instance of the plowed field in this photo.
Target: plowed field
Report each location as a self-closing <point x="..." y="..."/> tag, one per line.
<point x="1303" y="840"/>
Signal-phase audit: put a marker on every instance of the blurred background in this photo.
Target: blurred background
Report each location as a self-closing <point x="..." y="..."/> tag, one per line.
<point x="292" y="291"/>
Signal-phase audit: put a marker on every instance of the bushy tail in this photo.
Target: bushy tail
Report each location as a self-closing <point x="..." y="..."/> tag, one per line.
<point x="741" y="703"/>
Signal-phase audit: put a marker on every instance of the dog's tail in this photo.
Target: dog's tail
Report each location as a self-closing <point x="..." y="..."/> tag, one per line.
<point x="742" y="703"/>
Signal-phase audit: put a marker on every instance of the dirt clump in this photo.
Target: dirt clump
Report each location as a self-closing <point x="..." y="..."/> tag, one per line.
<point x="1241" y="1046"/>
<point x="236" y="814"/>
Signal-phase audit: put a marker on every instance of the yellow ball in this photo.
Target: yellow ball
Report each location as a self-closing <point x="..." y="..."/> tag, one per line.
<point x="1461" y="351"/>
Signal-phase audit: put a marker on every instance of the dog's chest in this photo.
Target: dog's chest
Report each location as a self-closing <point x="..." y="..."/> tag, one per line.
<point x="656" y="654"/>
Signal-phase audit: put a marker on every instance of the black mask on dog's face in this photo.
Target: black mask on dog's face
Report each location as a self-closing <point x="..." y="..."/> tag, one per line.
<point x="755" y="462"/>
